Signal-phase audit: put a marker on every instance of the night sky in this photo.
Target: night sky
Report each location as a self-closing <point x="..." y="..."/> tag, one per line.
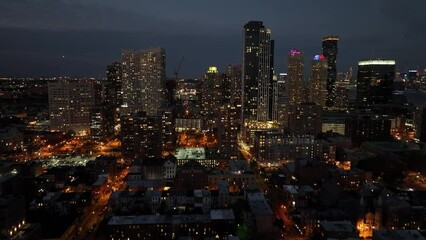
<point x="80" y="37"/>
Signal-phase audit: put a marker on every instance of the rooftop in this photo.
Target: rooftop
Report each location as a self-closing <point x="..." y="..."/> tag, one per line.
<point x="258" y="204"/>
<point x="190" y="153"/>
<point x="399" y="235"/>
<point x="222" y="214"/>
<point x="101" y="179"/>
<point x="337" y="226"/>
<point x="238" y="166"/>
<point x="384" y="146"/>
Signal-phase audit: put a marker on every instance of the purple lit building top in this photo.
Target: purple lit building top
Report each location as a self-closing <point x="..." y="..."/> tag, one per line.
<point x="294" y="52"/>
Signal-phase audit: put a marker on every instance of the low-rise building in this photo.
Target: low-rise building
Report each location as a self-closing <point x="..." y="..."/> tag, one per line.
<point x="196" y="226"/>
<point x="338" y="230"/>
<point x="399" y="235"/>
<point x="11" y="139"/>
<point x="297" y="197"/>
<point x="261" y="215"/>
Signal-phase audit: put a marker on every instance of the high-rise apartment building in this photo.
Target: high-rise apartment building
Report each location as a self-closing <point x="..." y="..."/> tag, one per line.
<point x="70" y="105"/>
<point x="233" y="76"/>
<point x="211" y="96"/>
<point x="342" y="96"/>
<point x="295" y="77"/>
<point x="329" y="50"/>
<point x="114" y="93"/>
<point x="280" y="100"/>
<point x="257" y="72"/>
<point x="227" y="131"/>
<point x="167" y="128"/>
<point x="375" y="81"/>
<point x="103" y="119"/>
<point x="318" y="84"/>
<point x="144" y="80"/>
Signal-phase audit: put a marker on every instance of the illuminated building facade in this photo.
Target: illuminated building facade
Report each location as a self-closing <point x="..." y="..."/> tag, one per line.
<point x="70" y="105"/>
<point x="280" y="98"/>
<point x="318" y="84"/>
<point x="257" y="72"/>
<point x="141" y="136"/>
<point x="375" y="81"/>
<point x="167" y="128"/>
<point x="274" y="146"/>
<point x="144" y="80"/>
<point x="113" y="89"/>
<point x="234" y="75"/>
<point x="329" y="50"/>
<point x="215" y="224"/>
<point x="295" y="76"/>
<point x="188" y="90"/>
<point x="102" y="125"/>
<point x="341" y="101"/>
<point x="211" y="96"/>
<point x="227" y="132"/>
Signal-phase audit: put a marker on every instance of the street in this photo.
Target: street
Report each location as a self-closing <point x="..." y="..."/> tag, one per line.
<point x="85" y="227"/>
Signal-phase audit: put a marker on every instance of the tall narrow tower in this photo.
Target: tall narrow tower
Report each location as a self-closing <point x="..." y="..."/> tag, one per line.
<point x="257" y="72"/>
<point x="329" y="50"/>
<point x="318" y="83"/>
<point x="211" y="96"/>
<point x="295" y="76"/>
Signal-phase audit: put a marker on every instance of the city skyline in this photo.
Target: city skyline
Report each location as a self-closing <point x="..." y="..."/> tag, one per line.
<point x="223" y="120"/>
<point x="67" y="39"/>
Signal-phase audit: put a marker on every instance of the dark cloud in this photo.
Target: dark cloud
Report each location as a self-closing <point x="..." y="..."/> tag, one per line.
<point x="87" y="52"/>
<point x="35" y="34"/>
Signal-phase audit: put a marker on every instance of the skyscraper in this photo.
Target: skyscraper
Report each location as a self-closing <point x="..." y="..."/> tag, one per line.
<point x="113" y="88"/>
<point x="280" y="100"/>
<point x="295" y="77"/>
<point x="103" y="119"/>
<point x="144" y="80"/>
<point x="257" y="72"/>
<point x="329" y="50"/>
<point x="233" y="76"/>
<point x="318" y="84"/>
<point x="114" y="93"/>
<point x="375" y="81"/>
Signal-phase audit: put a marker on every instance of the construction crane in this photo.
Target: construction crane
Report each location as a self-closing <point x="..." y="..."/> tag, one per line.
<point x="176" y="71"/>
